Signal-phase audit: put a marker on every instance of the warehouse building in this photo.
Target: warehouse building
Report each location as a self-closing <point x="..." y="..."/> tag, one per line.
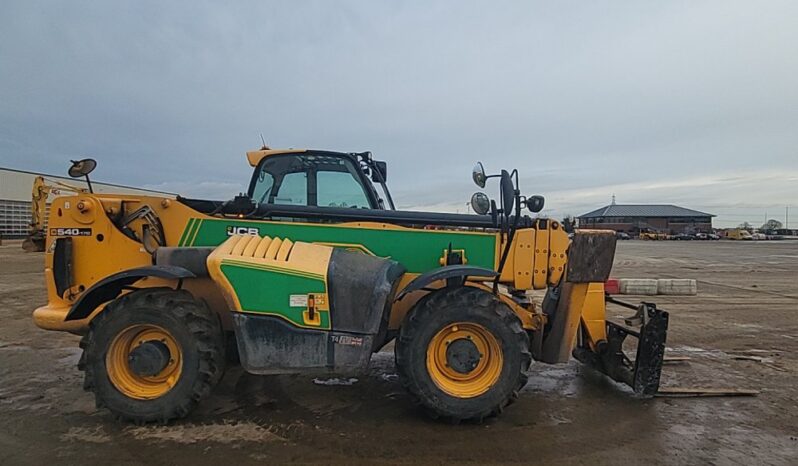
<point x="15" y="197"/>
<point x="634" y="218"/>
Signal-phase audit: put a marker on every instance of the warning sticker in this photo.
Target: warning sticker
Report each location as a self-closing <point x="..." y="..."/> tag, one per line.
<point x="298" y="300"/>
<point x="347" y="340"/>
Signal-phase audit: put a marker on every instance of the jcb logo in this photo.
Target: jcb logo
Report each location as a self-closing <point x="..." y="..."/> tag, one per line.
<point x="234" y="230"/>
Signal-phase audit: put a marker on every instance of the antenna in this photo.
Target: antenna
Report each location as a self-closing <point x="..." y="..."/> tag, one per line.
<point x="264" y="147"/>
<point x="613" y="199"/>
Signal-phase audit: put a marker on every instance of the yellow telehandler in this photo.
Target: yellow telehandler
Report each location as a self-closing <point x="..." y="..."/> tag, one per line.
<point x="313" y="270"/>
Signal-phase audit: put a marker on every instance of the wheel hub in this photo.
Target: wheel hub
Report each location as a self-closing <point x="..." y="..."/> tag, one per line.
<point x="149" y="358"/>
<point x="462" y="355"/>
<point x="464" y="359"/>
<point x="135" y="361"/>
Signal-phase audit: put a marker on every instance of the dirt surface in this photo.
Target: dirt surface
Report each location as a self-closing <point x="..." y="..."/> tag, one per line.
<point x="747" y="307"/>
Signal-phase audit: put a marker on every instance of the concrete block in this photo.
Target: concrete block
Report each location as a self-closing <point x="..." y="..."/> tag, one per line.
<point x="639" y="286"/>
<point x="677" y="286"/>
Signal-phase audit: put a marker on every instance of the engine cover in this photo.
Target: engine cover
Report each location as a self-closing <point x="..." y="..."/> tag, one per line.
<point x="301" y="307"/>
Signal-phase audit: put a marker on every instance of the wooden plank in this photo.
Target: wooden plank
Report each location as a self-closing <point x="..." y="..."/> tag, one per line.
<point x="705" y="391"/>
<point x="677" y="358"/>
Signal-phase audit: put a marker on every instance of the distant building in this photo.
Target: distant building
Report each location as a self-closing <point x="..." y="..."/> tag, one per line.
<point x="15" y="197"/>
<point x="633" y="218"/>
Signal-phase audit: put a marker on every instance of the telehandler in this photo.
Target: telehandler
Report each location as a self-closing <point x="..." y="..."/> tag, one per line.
<point x="312" y="271"/>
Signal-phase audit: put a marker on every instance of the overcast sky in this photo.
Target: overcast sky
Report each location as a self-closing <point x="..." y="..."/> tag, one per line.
<point x="690" y="103"/>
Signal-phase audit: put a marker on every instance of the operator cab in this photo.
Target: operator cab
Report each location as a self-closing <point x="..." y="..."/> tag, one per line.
<point x="318" y="179"/>
<point x="335" y="187"/>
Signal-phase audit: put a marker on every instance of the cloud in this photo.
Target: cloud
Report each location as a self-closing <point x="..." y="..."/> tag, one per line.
<point x="576" y="96"/>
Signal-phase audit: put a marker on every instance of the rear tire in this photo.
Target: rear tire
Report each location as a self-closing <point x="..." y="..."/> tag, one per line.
<point x="462" y="354"/>
<point x="194" y="347"/>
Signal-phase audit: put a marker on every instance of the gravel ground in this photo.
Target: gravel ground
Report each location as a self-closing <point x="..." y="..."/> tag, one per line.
<point x="747" y="306"/>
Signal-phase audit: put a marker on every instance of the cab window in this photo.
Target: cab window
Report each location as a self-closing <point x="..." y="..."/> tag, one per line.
<point x="339" y="189"/>
<point x="310" y="179"/>
<point x="263" y="186"/>
<point x="293" y="189"/>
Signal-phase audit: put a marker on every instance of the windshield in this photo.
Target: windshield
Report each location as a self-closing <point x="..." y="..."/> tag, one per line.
<point x="311" y="180"/>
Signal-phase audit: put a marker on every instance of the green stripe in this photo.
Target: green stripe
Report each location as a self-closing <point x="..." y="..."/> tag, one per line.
<point x="185" y="231"/>
<point x="196" y="230"/>
<point x="192" y="231"/>
<point x="418" y="250"/>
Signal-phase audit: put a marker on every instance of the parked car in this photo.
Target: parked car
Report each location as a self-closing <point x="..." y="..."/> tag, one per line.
<point x="682" y="237"/>
<point x="701" y="236"/>
<point x="713" y="236"/>
<point x="622" y="235"/>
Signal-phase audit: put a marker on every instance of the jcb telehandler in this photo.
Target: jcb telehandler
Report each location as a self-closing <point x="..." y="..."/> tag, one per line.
<point x="312" y="271"/>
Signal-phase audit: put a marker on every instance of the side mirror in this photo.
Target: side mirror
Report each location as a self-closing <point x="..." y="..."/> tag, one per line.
<point x="508" y="193"/>
<point x="480" y="203"/>
<point x="535" y="203"/>
<point x="382" y="168"/>
<point x="82" y="167"/>
<point x="478" y="175"/>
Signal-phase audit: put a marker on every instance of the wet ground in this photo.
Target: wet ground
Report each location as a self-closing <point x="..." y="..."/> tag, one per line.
<point x="741" y="331"/>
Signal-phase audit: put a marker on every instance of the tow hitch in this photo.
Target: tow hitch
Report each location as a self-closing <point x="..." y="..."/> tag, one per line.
<point x="643" y="373"/>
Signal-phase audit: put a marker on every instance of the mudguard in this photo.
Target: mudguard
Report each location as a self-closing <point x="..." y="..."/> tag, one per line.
<point x="301" y="307"/>
<point x="446" y="273"/>
<point x="110" y="287"/>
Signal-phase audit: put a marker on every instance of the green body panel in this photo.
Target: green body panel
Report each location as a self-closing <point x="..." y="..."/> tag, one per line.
<point x="267" y="290"/>
<point x="417" y="250"/>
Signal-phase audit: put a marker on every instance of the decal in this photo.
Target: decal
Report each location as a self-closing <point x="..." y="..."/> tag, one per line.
<point x="238" y="230"/>
<point x="417" y="250"/>
<point x="347" y="340"/>
<point x="70" y="231"/>
<point x="298" y="300"/>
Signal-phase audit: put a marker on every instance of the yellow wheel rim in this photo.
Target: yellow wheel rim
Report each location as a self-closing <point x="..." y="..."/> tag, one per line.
<point x="479" y="375"/>
<point x="132" y="384"/>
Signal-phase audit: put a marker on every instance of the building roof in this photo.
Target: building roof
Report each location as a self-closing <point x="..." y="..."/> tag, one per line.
<point x="644" y="210"/>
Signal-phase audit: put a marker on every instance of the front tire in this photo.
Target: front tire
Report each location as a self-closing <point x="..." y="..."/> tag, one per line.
<point x="152" y="355"/>
<point x="463" y="354"/>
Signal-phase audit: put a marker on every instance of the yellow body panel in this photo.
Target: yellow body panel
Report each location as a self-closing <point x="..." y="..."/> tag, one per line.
<point x="524" y="256"/>
<point x="541" y="264"/>
<point x="290" y="257"/>
<point x="581" y="305"/>
<point x="558" y="247"/>
<point x="594" y="314"/>
<point x="92" y="253"/>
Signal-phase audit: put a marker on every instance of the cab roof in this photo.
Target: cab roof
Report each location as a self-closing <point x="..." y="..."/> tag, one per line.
<point x="254" y="157"/>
